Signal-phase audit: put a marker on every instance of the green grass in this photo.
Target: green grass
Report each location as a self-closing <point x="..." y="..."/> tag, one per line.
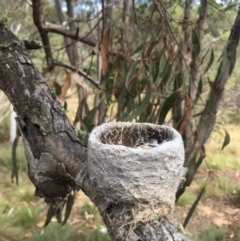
<point x="212" y="233"/>
<point x="54" y="231"/>
<point x="229" y="157"/>
<point x="6" y="157"/>
<point x="25" y="216"/>
<point x="99" y="234"/>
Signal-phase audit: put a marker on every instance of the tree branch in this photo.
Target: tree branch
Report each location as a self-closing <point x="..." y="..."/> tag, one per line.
<point x="80" y="72"/>
<point x="39" y="22"/>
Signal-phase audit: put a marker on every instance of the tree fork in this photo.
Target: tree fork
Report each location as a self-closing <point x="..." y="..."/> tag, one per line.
<point x="57" y="160"/>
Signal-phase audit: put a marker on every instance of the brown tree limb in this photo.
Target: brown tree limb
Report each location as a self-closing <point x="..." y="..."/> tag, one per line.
<point x="39" y="22"/>
<point x="45" y="27"/>
<point x="79" y="71"/>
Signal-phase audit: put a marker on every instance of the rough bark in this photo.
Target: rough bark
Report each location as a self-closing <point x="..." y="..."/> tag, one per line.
<point x="57" y="160"/>
<point x="40" y="22"/>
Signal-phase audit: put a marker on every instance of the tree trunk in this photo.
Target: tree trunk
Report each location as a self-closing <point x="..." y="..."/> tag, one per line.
<point x="57" y="160"/>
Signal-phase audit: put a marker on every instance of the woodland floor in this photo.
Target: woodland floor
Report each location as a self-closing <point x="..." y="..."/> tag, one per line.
<point x="218" y="208"/>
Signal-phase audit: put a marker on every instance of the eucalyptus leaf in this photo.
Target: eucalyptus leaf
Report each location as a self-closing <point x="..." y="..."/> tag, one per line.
<point x="168" y="105"/>
<point x="226" y="139"/>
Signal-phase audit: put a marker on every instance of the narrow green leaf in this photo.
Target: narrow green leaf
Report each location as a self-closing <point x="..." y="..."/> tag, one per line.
<point x="58" y="88"/>
<point x="195" y="42"/>
<point x="226" y="139"/>
<point x="69" y="205"/>
<point x="14" y="160"/>
<point x="213" y="29"/>
<point x="211" y="100"/>
<point x="130" y="72"/>
<point x="199" y="91"/>
<point x="139" y="48"/>
<point x="223" y="64"/>
<point x="163" y="65"/>
<point x="210" y="62"/>
<point x="168" y="105"/>
<point x="191" y="170"/>
<point x="150" y="48"/>
<point x="192" y="209"/>
<point x="167" y="75"/>
<point x="88" y="119"/>
<point x="125" y="69"/>
<point x="205" y="55"/>
<point x="65" y="105"/>
<point x="141" y="108"/>
<point x="232" y="60"/>
<point x="158" y="65"/>
<point x="49" y="215"/>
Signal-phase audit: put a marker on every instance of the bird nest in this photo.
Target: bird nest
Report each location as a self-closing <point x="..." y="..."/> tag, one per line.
<point x="137" y="163"/>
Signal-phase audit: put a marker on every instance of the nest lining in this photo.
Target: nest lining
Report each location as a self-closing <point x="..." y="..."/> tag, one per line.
<point x="136" y="135"/>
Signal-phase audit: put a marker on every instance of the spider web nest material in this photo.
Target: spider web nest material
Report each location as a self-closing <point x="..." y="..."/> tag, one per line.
<point x="139" y="164"/>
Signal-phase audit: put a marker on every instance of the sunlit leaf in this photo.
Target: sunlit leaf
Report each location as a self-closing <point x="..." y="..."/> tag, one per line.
<point x="168" y="105"/>
<point x="226" y="139"/>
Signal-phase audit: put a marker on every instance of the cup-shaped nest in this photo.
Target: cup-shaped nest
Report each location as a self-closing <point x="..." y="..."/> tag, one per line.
<point x="136" y="162"/>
